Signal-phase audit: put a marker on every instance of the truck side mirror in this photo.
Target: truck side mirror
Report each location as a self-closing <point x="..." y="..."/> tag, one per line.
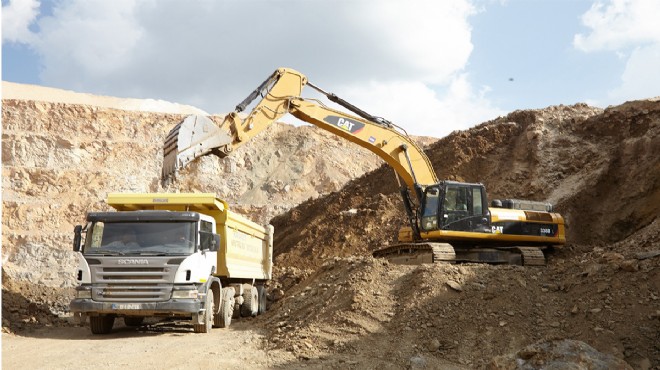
<point x="216" y="243"/>
<point x="77" y="238"/>
<point x="209" y="241"/>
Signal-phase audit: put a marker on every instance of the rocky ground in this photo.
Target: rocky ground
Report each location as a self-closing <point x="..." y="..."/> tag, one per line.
<point x="332" y="305"/>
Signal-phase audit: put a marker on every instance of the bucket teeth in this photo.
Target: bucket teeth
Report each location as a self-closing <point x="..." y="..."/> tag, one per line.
<point x="194" y="137"/>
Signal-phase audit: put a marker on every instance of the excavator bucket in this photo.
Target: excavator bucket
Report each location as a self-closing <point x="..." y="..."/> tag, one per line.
<point x="192" y="138"/>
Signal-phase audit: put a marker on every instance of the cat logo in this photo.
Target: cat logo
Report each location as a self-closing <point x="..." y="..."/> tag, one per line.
<point x="345" y="124"/>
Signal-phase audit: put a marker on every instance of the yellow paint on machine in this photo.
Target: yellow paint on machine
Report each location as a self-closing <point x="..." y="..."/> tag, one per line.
<point x="498" y="215"/>
<point x="246" y="248"/>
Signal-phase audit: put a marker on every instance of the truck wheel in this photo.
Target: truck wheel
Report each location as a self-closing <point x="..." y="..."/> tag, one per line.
<point x="250" y="305"/>
<point x="133" y="320"/>
<point x="262" y="298"/>
<point x="101" y="324"/>
<point x="209" y="307"/>
<point x="223" y="318"/>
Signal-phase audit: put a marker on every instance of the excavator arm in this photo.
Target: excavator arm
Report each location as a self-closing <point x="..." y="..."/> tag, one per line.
<point x="197" y="136"/>
<point x="280" y="94"/>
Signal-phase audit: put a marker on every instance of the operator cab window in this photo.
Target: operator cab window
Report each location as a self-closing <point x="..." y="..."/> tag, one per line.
<point x="477" y="205"/>
<point x="456" y="198"/>
<point x="205" y="234"/>
<point x="206" y="226"/>
<point x="430" y="212"/>
<point x="457" y="207"/>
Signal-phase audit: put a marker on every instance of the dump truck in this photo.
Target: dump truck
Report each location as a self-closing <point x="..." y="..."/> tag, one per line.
<point x="180" y="256"/>
<point x="448" y="221"/>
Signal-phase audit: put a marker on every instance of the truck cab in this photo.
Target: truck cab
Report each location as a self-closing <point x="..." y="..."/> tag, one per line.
<point x="144" y="263"/>
<point x="183" y="256"/>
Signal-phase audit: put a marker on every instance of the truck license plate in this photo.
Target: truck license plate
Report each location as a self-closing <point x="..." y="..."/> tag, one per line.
<point x="128" y="306"/>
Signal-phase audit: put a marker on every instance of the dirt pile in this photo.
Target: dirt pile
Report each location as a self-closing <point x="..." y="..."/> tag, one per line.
<point x="599" y="167"/>
<point x="468" y="314"/>
<point x="560" y="354"/>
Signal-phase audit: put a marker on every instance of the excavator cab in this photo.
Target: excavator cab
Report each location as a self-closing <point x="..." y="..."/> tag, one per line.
<point x="455" y="206"/>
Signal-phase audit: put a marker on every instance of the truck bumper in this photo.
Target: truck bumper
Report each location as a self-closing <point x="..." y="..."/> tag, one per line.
<point x="175" y="307"/>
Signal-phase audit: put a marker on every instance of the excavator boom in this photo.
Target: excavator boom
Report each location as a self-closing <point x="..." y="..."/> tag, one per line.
<point x="198" y="136"/>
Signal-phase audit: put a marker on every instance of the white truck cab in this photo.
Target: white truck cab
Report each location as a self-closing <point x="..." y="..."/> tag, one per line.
<point x="173" y="255"/>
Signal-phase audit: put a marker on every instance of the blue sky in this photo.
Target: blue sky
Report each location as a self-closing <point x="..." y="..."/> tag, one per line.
<point x="431" y="67"/>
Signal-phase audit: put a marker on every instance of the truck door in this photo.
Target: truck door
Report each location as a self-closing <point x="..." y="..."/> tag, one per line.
<point x="206" y="234"/>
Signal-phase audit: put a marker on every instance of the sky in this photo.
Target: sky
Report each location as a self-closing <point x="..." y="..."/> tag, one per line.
<point x="431" y="67"/>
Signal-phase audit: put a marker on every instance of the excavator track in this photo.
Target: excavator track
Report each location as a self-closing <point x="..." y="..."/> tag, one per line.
<point x="532" y="256"/>
<point x="419" y="253"/>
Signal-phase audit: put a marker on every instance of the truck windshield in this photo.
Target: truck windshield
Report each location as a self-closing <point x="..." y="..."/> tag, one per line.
<point x="140" y="238"/>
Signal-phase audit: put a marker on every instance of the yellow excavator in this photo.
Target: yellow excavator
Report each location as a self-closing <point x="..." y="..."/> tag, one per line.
<point x="448" y="220"/>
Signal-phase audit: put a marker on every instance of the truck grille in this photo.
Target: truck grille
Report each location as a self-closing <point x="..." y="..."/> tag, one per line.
<point x="139" y="283"/>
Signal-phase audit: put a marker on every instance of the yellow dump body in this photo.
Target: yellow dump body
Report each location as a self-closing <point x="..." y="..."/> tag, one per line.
<point x="246" y="248"/>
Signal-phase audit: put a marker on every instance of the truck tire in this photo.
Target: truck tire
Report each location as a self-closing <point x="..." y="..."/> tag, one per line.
<point x="209" y="307"/>
<point x="261" y="289"/>
<point x="250" y="306"/>
<point x="223" y="318"/>
<point x="133" y="320"/>
<point x="101" y="324"/>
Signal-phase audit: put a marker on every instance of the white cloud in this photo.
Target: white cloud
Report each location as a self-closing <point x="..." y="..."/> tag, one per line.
<point x="430" y="37"/>
<point x="631" y="30"/>
<point x="85" y="42"/>
<point x="619" y="24"/>
<point x="17" y="16"/>
<point x="640" y="79"/>
<point x="420" y="110"/>
<point x="212" y="54"/>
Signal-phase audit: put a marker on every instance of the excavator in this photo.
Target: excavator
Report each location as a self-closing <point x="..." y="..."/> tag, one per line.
<point x="448" y="221"/>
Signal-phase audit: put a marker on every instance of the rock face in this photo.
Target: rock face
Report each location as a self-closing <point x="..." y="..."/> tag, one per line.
<point x="61" y="160"/>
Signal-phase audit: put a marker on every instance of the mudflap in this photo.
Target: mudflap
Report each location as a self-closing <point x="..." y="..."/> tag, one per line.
<point x="197" y="318"/>
<point x="79" y="318"/>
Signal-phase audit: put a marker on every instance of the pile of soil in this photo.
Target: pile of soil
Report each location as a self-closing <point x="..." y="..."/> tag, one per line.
<point x="599" y="167"/>
<point x="468" y="314"/>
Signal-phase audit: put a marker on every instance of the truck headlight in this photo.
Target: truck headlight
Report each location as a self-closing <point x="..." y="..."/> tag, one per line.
<point x="187" y="293"/>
